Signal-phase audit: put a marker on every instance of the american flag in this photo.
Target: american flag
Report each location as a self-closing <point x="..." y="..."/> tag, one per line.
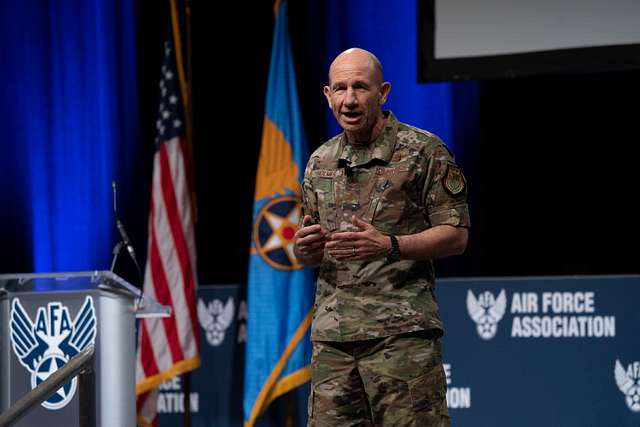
<point x="169" y="346"/>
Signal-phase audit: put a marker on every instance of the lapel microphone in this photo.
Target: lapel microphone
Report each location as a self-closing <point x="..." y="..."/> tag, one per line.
<point x="346" y="165"/>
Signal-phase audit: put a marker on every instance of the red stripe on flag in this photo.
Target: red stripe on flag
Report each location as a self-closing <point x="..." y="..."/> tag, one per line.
<point x="163" y="294"/>
<point x="145" y="407"/>
<point x="173" y="214"/>
<point x="140" y="401"/>
<point x="147" y="358"/>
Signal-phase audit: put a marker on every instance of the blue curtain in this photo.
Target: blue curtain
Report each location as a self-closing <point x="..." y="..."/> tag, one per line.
<point x="389" y="30"/>
<point x="70" y="113"/>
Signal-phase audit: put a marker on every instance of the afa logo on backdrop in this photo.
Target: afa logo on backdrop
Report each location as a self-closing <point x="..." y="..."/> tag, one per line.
<point x="47" y="344"/>
<point x="541" y="314"/>
<point x="486" y="311"/>
<point x="628" y="382"/>
<point x="215" y="318"/>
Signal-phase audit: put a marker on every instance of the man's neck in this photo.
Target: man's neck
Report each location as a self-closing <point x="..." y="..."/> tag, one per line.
<point x="373" y="134"/>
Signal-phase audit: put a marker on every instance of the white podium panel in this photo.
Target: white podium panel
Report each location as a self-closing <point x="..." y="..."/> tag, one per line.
<point x="46" y="319"/>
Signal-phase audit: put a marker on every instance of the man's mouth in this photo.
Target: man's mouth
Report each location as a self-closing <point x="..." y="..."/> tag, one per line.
<point x="351" y="115"/>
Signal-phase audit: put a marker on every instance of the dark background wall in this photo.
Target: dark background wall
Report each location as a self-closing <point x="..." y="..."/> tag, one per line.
<point x="550" y="165"/>
<point x="230" y="70"/>
<point x="550" y="161"/>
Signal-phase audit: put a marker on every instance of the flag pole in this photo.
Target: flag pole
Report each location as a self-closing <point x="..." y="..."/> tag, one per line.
<point x="185" y="87"/>
<point x="190" y="172"/>
<point x="186" y="377"/>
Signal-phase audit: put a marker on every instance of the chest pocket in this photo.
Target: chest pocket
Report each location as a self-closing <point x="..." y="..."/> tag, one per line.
<point x="324" y="187"/>
<point x="394" y="203"/>
<point x="373" y="195"/>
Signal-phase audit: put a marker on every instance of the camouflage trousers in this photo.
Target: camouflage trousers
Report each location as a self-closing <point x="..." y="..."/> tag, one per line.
<point x="391" y="381"/>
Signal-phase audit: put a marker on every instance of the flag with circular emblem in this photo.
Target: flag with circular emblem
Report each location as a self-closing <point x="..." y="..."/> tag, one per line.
<point x="279" y="289"/>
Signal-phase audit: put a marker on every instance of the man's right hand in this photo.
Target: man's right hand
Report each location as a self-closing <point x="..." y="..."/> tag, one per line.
<point x="309" y="242"/>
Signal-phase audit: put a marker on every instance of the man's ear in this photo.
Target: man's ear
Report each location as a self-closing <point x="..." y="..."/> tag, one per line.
<point x="384" y="92"/>
<point x="327" y="93"/>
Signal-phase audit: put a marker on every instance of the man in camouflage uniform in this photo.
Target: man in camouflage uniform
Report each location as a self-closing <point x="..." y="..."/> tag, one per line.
<point x="380" y="201"/>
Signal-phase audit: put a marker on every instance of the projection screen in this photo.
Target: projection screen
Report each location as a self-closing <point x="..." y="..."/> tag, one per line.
<point x="471" y="39"/>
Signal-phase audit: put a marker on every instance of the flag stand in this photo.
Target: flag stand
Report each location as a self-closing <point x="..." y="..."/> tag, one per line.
<point x="186" y="389"/>
<point x="291" y="409"/>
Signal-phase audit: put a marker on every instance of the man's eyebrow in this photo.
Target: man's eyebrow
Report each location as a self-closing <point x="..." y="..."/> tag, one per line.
<point x="356" y="83"/>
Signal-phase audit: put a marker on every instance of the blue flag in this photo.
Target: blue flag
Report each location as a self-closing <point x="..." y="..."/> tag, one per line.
<point x="280" y="290"/>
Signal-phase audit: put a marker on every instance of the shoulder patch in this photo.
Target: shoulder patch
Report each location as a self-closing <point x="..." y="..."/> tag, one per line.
<point x="454" y="181"/>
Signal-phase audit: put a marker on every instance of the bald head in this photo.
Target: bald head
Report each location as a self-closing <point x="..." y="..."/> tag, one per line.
<point x="356" y="93"/>
<point x="356" y="57"/>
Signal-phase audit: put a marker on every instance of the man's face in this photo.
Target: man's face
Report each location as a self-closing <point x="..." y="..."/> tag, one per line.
<point x="356" y="94"/>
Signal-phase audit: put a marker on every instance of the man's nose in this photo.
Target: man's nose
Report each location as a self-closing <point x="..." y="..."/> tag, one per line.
<point x="351" y="100"/>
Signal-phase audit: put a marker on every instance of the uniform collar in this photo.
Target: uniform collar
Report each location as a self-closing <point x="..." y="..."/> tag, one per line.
<point x="381" y="148"/>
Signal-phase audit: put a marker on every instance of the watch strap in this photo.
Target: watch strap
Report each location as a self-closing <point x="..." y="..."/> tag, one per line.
<point x="394" y="254"/>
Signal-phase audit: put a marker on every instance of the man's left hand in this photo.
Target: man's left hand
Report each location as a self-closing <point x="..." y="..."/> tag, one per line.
<point x="365" y="244"/>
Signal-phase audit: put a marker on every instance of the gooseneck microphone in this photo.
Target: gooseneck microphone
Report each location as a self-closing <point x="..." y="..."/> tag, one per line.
<point x="124" y="239"/>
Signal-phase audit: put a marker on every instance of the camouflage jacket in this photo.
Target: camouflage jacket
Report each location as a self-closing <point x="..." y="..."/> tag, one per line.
<point x="402" y="183"/>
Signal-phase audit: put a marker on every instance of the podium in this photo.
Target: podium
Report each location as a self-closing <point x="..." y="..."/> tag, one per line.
<point x="46" y="319"/>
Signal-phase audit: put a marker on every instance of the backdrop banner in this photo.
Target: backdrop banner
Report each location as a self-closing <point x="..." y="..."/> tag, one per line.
<point x="216" y="387"/>
<point x="559" y="351"/>
<point x="537" y="351"/>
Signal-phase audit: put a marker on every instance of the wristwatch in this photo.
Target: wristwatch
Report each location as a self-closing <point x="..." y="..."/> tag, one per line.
<point x="394" y="255"/>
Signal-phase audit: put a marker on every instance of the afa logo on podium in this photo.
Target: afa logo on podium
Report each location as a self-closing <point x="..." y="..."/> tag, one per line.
<point x="50" y="342"/>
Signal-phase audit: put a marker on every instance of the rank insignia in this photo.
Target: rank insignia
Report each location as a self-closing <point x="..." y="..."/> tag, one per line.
<point x="454" y="181"/>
